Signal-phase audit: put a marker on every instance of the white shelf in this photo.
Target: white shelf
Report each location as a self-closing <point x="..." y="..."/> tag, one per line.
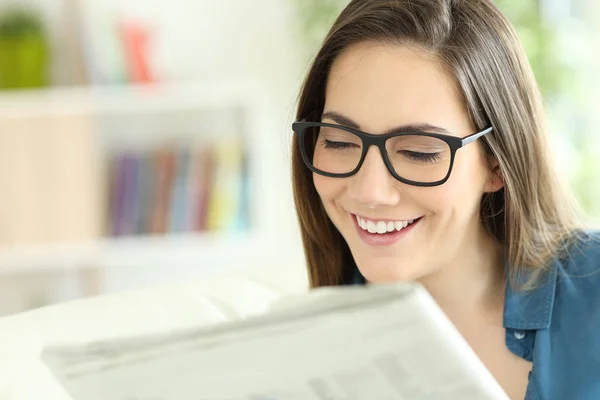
<point x="176" y="250"/>
<point x="46" y="258"/>
<point x="201" y="250"/>
<point x="149" y="257"/>
<point x="127" y="99"/>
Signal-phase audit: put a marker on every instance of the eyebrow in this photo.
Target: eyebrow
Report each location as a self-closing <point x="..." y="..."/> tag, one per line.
<point x="423" y="127"/>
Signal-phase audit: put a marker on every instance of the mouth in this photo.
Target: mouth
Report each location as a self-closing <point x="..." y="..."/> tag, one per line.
<point x="383" y="232"/>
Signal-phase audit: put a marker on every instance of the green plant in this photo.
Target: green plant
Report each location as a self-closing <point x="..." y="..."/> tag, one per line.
<point x="539" y="39"/>
<point x="17" y="23"/>
<point x="23" y="50"/>
<point x="315" y="18"/>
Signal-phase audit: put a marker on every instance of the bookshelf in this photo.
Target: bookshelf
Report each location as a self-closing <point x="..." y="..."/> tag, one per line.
<point x="59" y="219"/>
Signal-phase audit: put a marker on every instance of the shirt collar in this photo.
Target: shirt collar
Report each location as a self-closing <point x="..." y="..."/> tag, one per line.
<point x="531" y="309"/>
<point x="357" y="278"/>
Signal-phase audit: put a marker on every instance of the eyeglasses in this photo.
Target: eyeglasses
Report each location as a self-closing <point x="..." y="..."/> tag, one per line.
<point x="414" y="158"/>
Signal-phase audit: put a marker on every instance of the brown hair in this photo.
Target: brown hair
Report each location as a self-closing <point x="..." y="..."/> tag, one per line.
<point x="533" y="217"/>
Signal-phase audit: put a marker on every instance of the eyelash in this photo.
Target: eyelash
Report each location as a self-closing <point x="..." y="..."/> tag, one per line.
<point x="328" y="144"/>
<point x="413" y="155"/>
<point x="428" y="157"/>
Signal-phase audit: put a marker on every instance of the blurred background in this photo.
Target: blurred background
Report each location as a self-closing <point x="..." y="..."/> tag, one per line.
<point x="145" y="142"/>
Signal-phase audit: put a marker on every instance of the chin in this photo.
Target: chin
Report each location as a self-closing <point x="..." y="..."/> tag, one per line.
<point x="387" y="272"/>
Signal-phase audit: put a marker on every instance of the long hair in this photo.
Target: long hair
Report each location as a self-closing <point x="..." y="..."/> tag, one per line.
<point x="533" y="216"/>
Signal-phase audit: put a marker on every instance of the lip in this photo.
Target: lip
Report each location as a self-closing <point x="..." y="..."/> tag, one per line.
<point x="383" y="219"/>
<point x="375" y="239"/>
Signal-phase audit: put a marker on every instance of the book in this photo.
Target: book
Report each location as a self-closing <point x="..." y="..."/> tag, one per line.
<point x="180" y="210"/>
<point x="226" y="193"/>
<point x="384" y="342"/>
<point x="145" y="187"/>
<point x="176" y="189"/>
<point x="123" y="194"/>
<point x="200" y="183"/>
<point x="164" y="176"/>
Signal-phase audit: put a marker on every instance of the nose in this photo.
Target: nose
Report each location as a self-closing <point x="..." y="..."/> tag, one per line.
<point x="373" y="186"/>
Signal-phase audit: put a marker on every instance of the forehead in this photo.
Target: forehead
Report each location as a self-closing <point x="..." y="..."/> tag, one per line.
<point x="382" y="86"/>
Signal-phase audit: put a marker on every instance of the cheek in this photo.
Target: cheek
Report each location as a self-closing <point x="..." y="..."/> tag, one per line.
<point x="460" y="195"/>
<point x="321" y="186"/>
<point x="434" y="200"/>
<point x="329" y="189"/>
<point x="467" y="181"/>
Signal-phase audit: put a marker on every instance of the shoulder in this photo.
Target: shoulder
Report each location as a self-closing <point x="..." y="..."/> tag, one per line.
<point x="582" y="258"/>
<point x="570" y="363"/>
<point x="578" y="280"/>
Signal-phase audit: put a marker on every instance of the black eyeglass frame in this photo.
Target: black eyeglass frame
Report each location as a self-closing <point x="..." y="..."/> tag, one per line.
<point x="369" y="139"/>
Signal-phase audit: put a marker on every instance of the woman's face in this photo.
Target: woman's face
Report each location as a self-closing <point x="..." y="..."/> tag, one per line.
<point x="378" y="88"/>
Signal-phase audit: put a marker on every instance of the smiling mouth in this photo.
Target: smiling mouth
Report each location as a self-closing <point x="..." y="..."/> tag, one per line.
<point x="383" y="227"/>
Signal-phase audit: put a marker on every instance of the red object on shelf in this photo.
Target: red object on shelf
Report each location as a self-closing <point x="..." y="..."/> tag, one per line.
<point x="135" y="45"/>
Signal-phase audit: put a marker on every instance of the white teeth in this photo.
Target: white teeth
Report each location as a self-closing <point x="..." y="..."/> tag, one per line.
<point x="361" y="222"/>
<point x="381" y="227"/>
<point x="371" y="227"/>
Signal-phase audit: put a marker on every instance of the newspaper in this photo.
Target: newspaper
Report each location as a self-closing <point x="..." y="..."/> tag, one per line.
<point x="377" y="342"/>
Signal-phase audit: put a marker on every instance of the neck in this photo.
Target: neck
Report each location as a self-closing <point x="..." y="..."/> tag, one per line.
<point x="473" y="281"/>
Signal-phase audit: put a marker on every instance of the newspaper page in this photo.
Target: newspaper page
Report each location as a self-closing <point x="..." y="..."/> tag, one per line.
<point x="353" y="343"/>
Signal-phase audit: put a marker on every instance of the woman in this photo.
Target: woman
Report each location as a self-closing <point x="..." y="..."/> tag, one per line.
<point x="421" y="154"/>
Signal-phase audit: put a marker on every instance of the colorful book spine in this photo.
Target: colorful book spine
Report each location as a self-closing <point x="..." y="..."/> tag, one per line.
<point x="226" y="191"/>
<point x="180" y="198"/>
<point x="123" y="198"/>
<point x="172" y="190"/>
<point x="164" y="169"/>
<point x="244" y="207"/>
<point x="144" y="199"/>
<point x="201" y="187"/>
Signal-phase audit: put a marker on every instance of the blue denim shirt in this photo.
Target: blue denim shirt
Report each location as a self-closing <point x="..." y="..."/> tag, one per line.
<point x="556" y="326"/>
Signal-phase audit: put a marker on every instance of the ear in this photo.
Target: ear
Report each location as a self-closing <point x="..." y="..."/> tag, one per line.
<point x="495" y="181"/>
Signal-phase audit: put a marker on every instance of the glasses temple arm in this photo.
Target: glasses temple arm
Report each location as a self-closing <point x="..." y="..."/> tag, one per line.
<point x="476" y="136"/>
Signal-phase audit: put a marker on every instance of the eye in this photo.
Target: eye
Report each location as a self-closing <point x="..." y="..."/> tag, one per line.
<point x="421" y="157"/>
<point x="329" y="144"/>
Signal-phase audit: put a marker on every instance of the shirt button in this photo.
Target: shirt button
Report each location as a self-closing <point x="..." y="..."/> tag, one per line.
<point x="519" y="335"/>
